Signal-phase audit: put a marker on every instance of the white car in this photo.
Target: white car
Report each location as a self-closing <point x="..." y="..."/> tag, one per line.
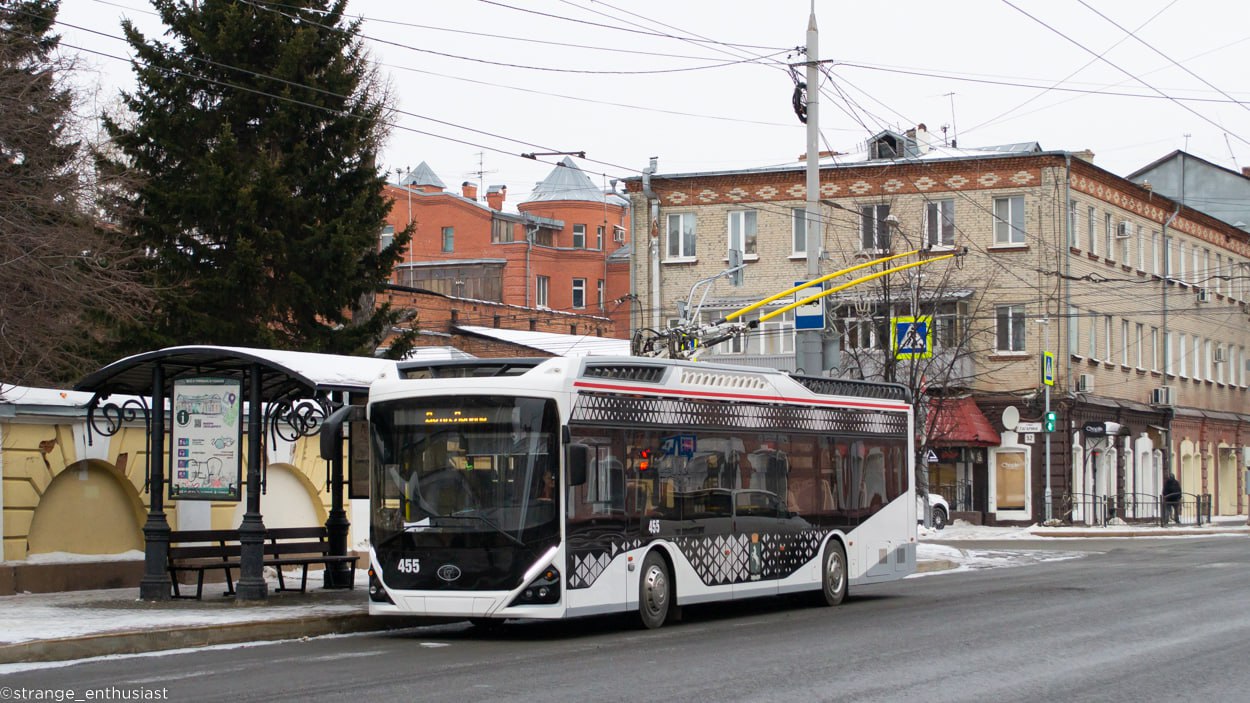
<point x="940" y="509"/>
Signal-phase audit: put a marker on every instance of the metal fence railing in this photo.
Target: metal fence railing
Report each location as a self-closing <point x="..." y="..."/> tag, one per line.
<point x="1134" y="508"/>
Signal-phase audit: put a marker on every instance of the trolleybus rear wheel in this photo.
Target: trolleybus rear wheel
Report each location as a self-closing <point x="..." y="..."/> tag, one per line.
<point x="654" y="591"/>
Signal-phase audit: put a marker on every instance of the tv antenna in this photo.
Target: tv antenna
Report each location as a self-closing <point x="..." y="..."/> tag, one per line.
<point x="480" y="172"/>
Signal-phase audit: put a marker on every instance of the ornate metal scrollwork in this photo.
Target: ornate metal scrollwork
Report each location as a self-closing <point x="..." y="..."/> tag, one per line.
<point x="291" y="419"/>
<point x="115" y="415"/>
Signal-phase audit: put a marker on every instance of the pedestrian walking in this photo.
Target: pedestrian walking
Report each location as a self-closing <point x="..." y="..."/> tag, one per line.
<point x="1171" y="500"/>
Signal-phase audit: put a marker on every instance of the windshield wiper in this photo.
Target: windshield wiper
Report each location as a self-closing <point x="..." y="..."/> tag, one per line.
<point x="467" y="515"/>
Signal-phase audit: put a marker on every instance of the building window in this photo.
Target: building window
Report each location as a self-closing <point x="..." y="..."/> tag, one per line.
<point x="742" y="232"/>
<point x="1074" y="330"/>
<point x="599" y="237"/>
<point x="1124" y="345"/>
<point x="1182" y="354"/>
<point x="1106" y="330"/>
<point x="385" y="237"/>
<point x="599" y="292"/>
<point x="1180" y="261"/>
<point x="799" y="227"/>
<point x="1073" y="238"/>
<point x="579" y="293"/>
<point x="541" y="285"/>
<point x="1109" y="235"/>
<point x="449" y="239"/>
<point x="1126" y="257"/>
<point x="1093" y="231"/>
<point x="501" y="231"/>
<point x="939" y="223"/>
<point x="1010" y="327"/>
<point x="949" y="325"/>
<point x="579" y="236"/>
<point x="618" y="233"/>
<point x="1199" y="348"/>
<point x="1092" y="349"/>
<point x="681" y="236"/>
<point x="874" y="228"/>
<point x="1141" y="248"/>
<point x="1140" y="341"/>
<point x="1009" y="220"/>
<point x="1154" y="252"/>
<point x="777" y="335"/>
<point x="1155" y="350"/>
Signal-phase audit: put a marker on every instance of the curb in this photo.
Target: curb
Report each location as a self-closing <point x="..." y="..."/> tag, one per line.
<point x="157" y="639"/>
<point x="1165" y="532"/>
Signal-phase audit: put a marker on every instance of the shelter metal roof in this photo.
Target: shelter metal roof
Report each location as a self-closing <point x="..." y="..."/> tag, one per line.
<point x="282" y="372"/>
<point x="555" y="343"/>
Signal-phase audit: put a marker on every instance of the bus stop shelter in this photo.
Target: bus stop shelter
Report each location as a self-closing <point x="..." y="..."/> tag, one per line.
<point x="288" y="394"/>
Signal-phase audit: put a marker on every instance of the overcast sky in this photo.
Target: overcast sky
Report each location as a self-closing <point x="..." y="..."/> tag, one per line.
<point x="703" y="84"/>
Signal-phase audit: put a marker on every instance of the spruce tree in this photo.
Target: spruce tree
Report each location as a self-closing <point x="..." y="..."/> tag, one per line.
<point x="255" y="130"/>
<point x="60" y="278"/>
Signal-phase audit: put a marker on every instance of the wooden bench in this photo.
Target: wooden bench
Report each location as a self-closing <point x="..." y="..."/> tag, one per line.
<point x="200" y="551"/>
<point x="303" y="546"/>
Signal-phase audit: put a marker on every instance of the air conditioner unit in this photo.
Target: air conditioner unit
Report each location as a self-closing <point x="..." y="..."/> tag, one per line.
<point x="1205" y="295"/>
<point x="1084" y="383"/>
<point x="1124" y="230"/>
<point x="1163" y="396"/>
<point x="1220" y="355"/>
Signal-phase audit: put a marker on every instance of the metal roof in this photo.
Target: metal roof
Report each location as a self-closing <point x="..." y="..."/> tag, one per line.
<point x="423" y="175"/>
<point x="568" y="182"/>
<point x="283" y="373"/>
<point x="555" y="343"/>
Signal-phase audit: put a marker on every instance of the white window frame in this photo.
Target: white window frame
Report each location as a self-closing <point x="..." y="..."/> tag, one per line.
<point x="579" y="293"/>
<point x="798" y="232"/>
<point x="874" y="230"/>
<point x="1182" y="367"/>
<point x="1073" y="235"/>
<point x="579" y="236"/>
<point x="939" y="223"/>
<point x="1141" y="248"/>
<point x="599" y="232"/>
<point x="599" y="292"/>
<point x="1092" y="342"/>
<point x="1107" y="332"/>
<point x="1124" y="342"/>
<point x="1093" y="231"/>
<point x="542" y="289"/>
<point x="618" y="233"/>
<point x="743" y="232"/>
<point x="1108" y="223"/>
<point x="685" y="226"/>
<point x="449" y="239"/>
<point x="1155" y="351"/>
<point x="1154" y="252"/>
<point x="1009" y="232"/>
<point x="1010" y="320"/>
<point x="1141" y="342"/>
<point x="1074" y="331"/>
<point x="776" y="336"/>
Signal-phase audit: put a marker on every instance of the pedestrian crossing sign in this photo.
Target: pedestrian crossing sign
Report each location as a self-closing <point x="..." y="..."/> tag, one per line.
<point x="913" y="337"/>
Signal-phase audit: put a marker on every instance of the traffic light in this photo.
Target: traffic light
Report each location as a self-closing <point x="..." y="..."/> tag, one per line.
<point x="1049" y="423"/>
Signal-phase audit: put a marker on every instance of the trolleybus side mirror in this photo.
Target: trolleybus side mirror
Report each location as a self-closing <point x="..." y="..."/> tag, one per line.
<point x="578" y="460"/>
<point x="332" y="430"/>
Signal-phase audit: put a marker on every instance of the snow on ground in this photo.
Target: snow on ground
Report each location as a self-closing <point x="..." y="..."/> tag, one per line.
<point x="42" y="616"/>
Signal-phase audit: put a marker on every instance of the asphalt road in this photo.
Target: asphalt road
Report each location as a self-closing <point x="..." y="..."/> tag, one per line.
<point x="1141" y="620"/>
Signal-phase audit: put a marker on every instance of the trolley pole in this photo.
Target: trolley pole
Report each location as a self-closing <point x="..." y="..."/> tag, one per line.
<point x="809" y="345"/>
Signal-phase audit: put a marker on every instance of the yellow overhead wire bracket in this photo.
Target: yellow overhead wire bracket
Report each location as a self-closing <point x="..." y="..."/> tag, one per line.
<point x="755" y="306"/>
<point x="844" y="286"/>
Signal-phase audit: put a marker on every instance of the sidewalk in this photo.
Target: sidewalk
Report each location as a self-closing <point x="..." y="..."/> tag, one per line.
<point x="49" y="627"/>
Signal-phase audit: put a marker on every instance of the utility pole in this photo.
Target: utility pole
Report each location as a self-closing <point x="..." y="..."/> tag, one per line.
<point x="809" y="346"/>
<point x="1045" y="322"/>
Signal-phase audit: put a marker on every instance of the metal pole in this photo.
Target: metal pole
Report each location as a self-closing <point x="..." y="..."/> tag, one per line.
<point x="337" y="524"/>
<point x="809" y="347"/>
<point x="252" y="585"/>
<point x="1047" y="435"/>
<point x="156" y="583"/>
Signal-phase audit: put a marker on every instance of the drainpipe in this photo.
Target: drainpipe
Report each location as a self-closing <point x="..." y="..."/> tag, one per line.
<point x="653" y="219"/>
<point x="1167" y="342"/>
<point x="529" y="248"/>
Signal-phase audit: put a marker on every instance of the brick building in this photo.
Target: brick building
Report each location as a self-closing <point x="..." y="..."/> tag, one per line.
<point x="561" y="251"/>
<point x="1145" y="303"/>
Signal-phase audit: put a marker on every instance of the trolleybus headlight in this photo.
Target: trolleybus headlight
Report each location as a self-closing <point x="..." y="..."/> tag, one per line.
<point x="542" y="590"/>
<point x="377" y="593"/>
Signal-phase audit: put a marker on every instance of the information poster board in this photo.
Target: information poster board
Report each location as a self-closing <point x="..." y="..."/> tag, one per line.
<point x="206" y="439"/>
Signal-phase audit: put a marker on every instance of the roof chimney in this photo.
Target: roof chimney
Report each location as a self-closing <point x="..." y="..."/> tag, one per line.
<point x="468" y="190"/>
<point x="495" y="196"/>
<point x="1084" y="155"/>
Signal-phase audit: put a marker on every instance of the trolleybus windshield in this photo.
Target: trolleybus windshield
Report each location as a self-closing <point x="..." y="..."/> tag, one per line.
<point x="483" y="468"/>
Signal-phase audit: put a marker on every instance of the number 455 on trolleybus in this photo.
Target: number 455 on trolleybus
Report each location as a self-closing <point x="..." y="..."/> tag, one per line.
<point x="554" y="488"/>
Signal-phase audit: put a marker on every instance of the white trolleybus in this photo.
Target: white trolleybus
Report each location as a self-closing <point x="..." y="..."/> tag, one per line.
<point x="554" y="488"/>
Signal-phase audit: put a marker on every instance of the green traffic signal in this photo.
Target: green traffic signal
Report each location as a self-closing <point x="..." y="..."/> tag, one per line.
<point x="1051" y="417"/>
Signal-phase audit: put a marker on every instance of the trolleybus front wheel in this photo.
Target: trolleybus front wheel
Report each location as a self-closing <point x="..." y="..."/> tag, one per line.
<point x="833" y="575"/>
<point x="654" y="591"/>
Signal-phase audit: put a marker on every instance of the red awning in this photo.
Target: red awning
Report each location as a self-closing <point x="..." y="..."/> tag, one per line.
<point x="959" y="422"/>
